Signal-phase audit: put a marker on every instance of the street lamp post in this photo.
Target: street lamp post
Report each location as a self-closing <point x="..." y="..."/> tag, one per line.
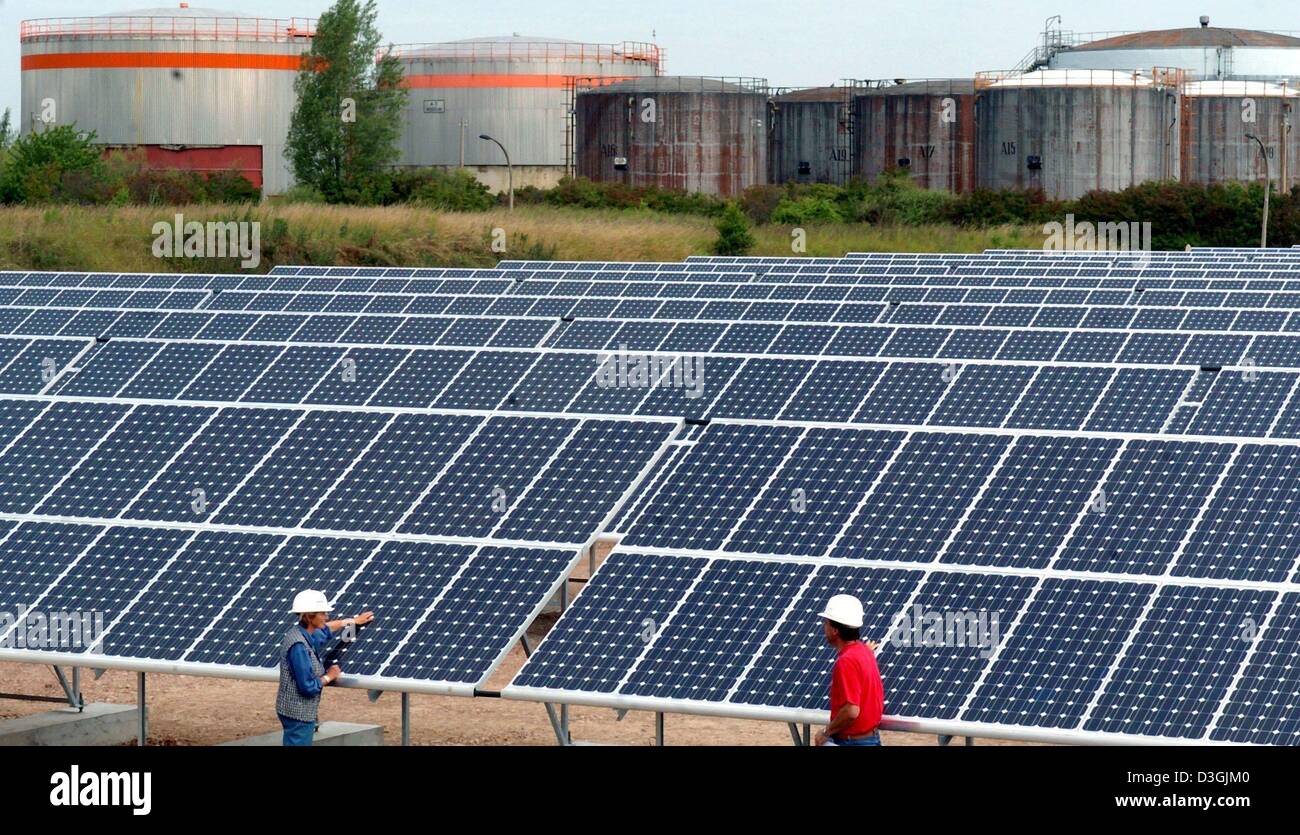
<point x="1268" y="185"/>
<point x="510" y="171"/>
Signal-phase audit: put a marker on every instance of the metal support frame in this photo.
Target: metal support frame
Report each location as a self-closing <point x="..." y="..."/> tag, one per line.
<point x="794" y="734"/>
<point x="945" y="739"/>
<point x="659" y="729"/>
<point x="561" y="729"/>
<point x="72" y="690"/>
<point x="142" y="709"/>
<point x="406" y="720"/>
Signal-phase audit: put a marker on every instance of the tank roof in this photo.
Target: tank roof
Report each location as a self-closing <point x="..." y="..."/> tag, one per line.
<point x="684" y="84"/>
<point x="813" y="94"/>
<point x="950" y="86"/>
<point x="1202" y="36"/>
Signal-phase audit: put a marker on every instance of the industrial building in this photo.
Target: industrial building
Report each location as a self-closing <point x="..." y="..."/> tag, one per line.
<point x="516" y="89"/>
<point x="810" y="137"/>
<point x="195" y="88"/>
<point x="924" y="127"/>
<point x="1068" y="132"/>
<point x="1223" y="119"/>
<point x="704" y="135"/>
<point x="208" y="90"/>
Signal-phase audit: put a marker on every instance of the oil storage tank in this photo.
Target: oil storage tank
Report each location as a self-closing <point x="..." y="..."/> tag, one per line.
<point x="697" y="134"/>
<point x="1219" y="119"/>
<point x="195" y="88"/>
<point x="923" y="127"/>
<point x="1204" y="52"/>
<point x="516" y="89"/>
<point x="1068" y="132"/>
<point x="808" y="138"/>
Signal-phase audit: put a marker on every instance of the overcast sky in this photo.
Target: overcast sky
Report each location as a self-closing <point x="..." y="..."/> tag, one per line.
<point x="788" y="42"/>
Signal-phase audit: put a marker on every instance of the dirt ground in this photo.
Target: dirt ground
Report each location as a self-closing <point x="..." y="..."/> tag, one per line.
<point x="195" y="710"/>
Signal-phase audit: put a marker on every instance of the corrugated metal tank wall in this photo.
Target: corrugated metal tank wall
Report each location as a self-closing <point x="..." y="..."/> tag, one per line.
<point x="928" y="124"/>
<point x="517" y="90"/>
<point x="141" y="80"/>
<point x="1217" y="118"/>
<point x="809" y="137"/>
<point x="701" y="135"/>
<point x="1068" y="136"/>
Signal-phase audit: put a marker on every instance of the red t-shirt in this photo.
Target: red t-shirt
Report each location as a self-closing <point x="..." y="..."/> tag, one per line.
<point x="856" y="680"/>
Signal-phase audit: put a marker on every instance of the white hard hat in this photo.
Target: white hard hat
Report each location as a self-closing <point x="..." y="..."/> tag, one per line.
<point x="844" y="609"/>
<point x="309" y="602"/>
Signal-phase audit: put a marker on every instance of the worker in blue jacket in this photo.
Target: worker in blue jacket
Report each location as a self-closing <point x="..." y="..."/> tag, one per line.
<point x="302" y="675"/>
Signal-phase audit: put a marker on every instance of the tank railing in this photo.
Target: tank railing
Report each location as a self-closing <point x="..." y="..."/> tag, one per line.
<point x="628" y="52"/>
<point x="180" y="28"/>
<point x="1158" y="77"/>
<point x="923" y="86"/>
<point x="697" y="84"/>
<point x="1281" y="88"/>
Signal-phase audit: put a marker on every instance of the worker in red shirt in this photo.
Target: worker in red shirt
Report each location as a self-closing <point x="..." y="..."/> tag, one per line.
<point x="857" y="694"/>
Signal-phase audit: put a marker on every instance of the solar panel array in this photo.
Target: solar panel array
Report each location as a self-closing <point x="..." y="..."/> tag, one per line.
<point x="1106" y="479"/>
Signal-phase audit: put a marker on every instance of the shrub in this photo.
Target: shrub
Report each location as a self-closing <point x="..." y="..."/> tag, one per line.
<point x="39" y="161"/>
<point x="454" y="190"/>
<point x="734" y="237"/>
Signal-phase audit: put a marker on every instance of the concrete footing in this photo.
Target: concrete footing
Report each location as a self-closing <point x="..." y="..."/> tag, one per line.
<point x="329" y="733"/>
<point x="96" y="724"/>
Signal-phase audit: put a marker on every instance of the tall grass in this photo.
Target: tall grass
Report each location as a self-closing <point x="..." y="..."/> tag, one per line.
<point x="121" y="238"/>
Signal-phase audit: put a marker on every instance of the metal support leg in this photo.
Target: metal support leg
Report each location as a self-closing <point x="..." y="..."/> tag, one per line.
<point x="561" y="731"/>
<point x="143" y="709"/>
<point x="807" y="734"/>
<point x="564" y="725"/>
<point x="944" y="740"/>
<point x="794" y="733"/>
<point x="72" y="692"/>
<point x="970" y="741"/>
<point x="76" y="689"/>
<point x="406" y="719"/>
<point x="591" y="560"/>
<point x="564" y="596"/>
<point x="659" y="729"/>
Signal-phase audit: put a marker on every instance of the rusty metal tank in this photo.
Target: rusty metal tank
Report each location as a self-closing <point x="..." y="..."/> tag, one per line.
<point x="697" y="134"/>
<point x="1068" y="132"/>
<point x="809" y="139"/>
<point x="924" y="127"/>
<point x="1219" y="117"/>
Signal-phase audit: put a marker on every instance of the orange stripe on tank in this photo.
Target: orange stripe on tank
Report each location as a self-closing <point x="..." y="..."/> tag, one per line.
<point x="161" y="60"/>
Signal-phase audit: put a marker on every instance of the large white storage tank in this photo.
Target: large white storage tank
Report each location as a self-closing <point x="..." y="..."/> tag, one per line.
<point x="518" y="90"/>
<point x="1203" y="52"/>
<point x="196" y="88"/>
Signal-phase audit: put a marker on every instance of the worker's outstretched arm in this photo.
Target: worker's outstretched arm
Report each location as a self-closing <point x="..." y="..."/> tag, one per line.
<point x="360" y="620"/>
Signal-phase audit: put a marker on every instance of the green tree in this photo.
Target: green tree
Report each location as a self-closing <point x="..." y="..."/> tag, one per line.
<point x="40" y="163"/>
<point x="344" y="131"/>
<point x="6" y="130"/>
<point x="734" y="237"/>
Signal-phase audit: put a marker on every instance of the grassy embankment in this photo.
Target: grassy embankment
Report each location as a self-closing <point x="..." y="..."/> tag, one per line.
<point x="120" y="239"/>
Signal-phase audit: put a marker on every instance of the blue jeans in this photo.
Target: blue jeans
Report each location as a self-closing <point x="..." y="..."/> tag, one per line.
<point x="297" y="732"/>
<point x="874" y="739"/>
